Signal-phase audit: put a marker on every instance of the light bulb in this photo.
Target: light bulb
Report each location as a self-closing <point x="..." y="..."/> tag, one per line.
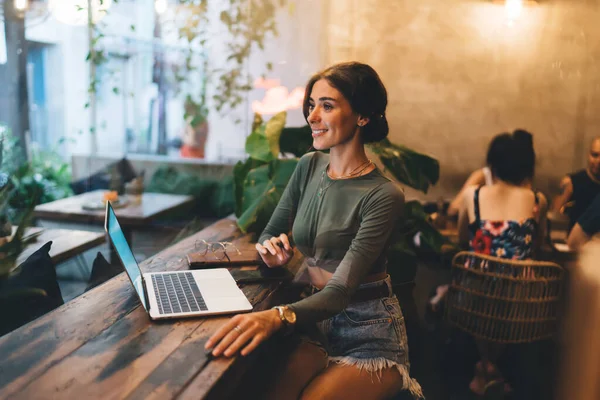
<point x="513" y="9"/>
<point x="160" y="6"/>
<point x="21" y="5"/>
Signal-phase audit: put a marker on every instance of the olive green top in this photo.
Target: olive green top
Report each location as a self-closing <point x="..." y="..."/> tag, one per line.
<point x="343" y="226"/>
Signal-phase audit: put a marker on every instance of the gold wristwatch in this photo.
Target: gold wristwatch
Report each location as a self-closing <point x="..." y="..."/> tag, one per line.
<point x="287" y="315"/>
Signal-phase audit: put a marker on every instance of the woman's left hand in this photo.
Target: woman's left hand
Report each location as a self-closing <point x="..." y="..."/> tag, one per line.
<point x="245" y="331"/>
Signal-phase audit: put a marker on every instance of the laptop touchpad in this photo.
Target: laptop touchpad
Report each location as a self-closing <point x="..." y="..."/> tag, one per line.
<point x="218" y="287"/>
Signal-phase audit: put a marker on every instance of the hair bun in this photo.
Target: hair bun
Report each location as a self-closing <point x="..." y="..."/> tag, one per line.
<point x="376" y="130"/>
<point x="523" y="137"/>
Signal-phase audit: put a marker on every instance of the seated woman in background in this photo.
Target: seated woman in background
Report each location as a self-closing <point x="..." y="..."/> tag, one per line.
<point x="485" y="177"/>
<point x="508" y="212"/>
<point x="506" y="219"/>
<point x="478" y="178"/>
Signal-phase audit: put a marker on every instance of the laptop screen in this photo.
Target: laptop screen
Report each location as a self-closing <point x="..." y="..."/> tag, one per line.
<point x="124" y="251"/>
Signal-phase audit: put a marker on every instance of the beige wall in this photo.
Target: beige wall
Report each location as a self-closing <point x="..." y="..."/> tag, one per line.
<point x="457" y="74"/>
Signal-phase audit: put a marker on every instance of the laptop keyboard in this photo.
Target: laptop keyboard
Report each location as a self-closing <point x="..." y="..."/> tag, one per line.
<point x="177" y="293"/>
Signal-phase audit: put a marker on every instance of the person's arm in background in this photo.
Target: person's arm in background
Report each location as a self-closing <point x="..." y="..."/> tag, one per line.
<point x="463" y="216"/>
<point x="477" y="178"/>
<point x="577" y="238"/>
<point x="542" y="220"/>
<point x="566" y="191"/>
<point x="587" y="226"/>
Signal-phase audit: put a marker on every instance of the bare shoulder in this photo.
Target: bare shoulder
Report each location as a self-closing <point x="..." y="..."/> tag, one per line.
<point x="476" y="178"/>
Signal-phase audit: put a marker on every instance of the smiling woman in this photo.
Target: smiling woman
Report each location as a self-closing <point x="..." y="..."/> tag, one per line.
<point x="341" y="211"/>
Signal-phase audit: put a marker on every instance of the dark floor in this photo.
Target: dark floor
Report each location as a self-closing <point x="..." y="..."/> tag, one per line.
<point x="441" y="361"/>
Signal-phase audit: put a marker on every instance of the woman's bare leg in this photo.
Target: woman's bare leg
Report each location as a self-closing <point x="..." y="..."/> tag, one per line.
<point x="347" y="382"/>
<point x="303" y="365"/>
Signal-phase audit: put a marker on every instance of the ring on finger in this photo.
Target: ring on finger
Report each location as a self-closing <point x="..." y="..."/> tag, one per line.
<point x="238" y="329"/>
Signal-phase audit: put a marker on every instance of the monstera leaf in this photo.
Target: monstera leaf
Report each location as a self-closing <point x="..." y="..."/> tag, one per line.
<point x="263" y="188"/>
<point x="263" y="147"/>
<point x="417" y="170"/>
<point x="417" y="221"/>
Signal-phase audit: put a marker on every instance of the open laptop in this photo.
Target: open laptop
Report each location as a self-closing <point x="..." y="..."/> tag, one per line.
<point x="179" y="293"/>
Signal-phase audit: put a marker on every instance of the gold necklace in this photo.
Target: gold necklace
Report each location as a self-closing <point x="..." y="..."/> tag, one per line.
<point x="322" y="189"/>
<point x="354" y="173"/>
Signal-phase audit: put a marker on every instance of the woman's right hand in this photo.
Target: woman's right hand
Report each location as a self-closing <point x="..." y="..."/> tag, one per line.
<point x="276" y="251"/>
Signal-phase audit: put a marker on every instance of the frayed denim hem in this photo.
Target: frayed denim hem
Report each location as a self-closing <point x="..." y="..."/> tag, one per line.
<point x="377" y="365"/>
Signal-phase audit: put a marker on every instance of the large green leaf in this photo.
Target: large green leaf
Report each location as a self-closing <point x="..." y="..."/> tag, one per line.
<point x="263" y="142"/>
<point x="273" y="131"/>
<point x="257" y="145"/>
<point x="416" y="220"/>
<point x="403" y="253"/>
<point x="263" y="188"/>
<point x="240" y="171"/>
<point x="417" y="170"/>
<point x="296" y="140"/>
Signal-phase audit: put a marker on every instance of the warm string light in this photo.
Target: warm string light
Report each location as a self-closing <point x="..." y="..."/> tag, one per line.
<point x="21" y="5"/>
<point x="513" y="9"/>
<point x="160" y="6"/>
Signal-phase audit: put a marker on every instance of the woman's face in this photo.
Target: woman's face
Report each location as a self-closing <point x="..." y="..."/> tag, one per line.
<point x="330" y="116"/>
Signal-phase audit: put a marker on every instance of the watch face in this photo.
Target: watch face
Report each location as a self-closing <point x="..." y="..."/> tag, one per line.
<point x="289" y="315"/>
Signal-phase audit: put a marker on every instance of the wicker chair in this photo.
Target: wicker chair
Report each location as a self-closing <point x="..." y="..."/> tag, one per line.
<point x="504" y="301"/>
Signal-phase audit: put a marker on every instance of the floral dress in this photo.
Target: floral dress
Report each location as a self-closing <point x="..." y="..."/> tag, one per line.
<point x="505" y="239"/>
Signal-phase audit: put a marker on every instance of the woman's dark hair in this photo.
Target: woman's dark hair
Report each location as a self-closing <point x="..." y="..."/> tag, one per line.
<point x="511" y="156"/>
<point x="362" y="87"/>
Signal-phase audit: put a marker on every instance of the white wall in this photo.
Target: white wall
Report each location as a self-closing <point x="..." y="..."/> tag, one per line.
<point x="66" y="78"/>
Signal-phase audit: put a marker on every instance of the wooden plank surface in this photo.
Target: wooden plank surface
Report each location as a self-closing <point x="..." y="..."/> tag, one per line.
<point x="66" y="243"/>
<point x="103" y="345"/>
<point x="152" y="206"/>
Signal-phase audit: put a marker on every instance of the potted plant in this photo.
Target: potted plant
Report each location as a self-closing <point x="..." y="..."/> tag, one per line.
<point x="196" y="127"/>
<point x="11" y="245"/>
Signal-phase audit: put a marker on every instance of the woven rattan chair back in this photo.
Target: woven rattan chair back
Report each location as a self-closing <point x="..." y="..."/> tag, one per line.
<point x="504" y="301"/>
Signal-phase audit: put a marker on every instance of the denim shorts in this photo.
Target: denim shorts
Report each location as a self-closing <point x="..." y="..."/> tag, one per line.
<point x="370" y="335"/>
